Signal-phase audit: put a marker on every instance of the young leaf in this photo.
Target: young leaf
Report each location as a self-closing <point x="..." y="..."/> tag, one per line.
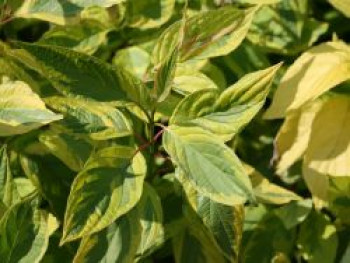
<point x="24" y="233"/>
<point x="21" y="110"/>
<point x="312" y="74"/>
<point x="227" y="28"/>
<point x="97" y="120"/>
<point x="227" y="113"/>
<point x="208" y="164"/>
<point x="109" y="186"/>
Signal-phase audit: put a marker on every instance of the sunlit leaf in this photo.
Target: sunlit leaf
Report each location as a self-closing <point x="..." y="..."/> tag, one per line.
<point x="21" y="110"/>
<point x="313" y="73"/>
<point x="208" y="164"/>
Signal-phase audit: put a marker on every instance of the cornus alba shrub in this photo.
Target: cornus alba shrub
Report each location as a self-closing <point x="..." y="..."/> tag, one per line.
<point x="171" y="131"/>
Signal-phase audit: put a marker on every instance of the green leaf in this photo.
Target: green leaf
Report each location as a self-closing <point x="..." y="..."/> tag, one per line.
<point x="342" y="6"/>
<point x="285" y="27"/>
<point x="24" y="233"/>
<point x="318" y="239"/>
<point x="339" y="197"/>
<point x="294" y="213"/>
<point x="312" y="74"/>
<point x="130" y="237"/>
<point x="116" y="243"/>
<point x="164" y="75"/>
<point x="227" y="113"/>
<point x="81" y="75"/>
<point x="72" y="151"/>
<point x="150" y="212"/>
<point x="21" y="110"/>
<point x="193" y="245"/>
<point x="97" y="120"/>
<point x="57" y="11"/>
<point x="329" y="148"/>
<point x="85" y="37"/>
<point x="109" y="186"/>
<point x="52" y="184"/>
<point x="8" y="189"/>
<point x="227" y="28"/>
<point x="208" y="164"/>
<point x="278" y="241"/>
<point x="148" y="14"/>
<point x="225" y="223"/>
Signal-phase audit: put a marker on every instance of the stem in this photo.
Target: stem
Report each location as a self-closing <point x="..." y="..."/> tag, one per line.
<point x="151" y="158"/>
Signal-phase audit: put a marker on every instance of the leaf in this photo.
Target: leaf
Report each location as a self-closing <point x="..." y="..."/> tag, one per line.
<point x="164" y="75"/>
<point x="8" y="190"/>
<point x="97" y="120"/>
<point x="329" y="147"/>
<point x="312" y="74"/>
<point x="150" y="14"/>
<point x="86" y="37"/>
<point x="21" y="110"/>
<point x="81" y="75"/>
<point x="267" y="192"/>
<point x="109" y="186"/>
<point x="285" y="27"/>
<point x="318" y="185"/>
<point x="193" y="245"/>
<point x="317" y="239"/>
<point x="134" y="59"/>
<point x="72" y="151"/>
<point x="131" y="236"/>
<point x="294" y="213"/>
<point x="24" y="233"/>
<point x="208" y="164"/>
<point x="293" y="137"/>
<point x="56" y="11"/>
<point x="52" y="184"/>
<point x="116" y="243"/>
<point x="278" y="241"/>
<point x="150" y="212"/>
<point x="342" y="6"/>
<point x="339" y="197"/>
<point x="227" y="113"/>
<point x="225" y="223"/>
<point x="219" y="38"/>
<point x="187" y="81"/>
